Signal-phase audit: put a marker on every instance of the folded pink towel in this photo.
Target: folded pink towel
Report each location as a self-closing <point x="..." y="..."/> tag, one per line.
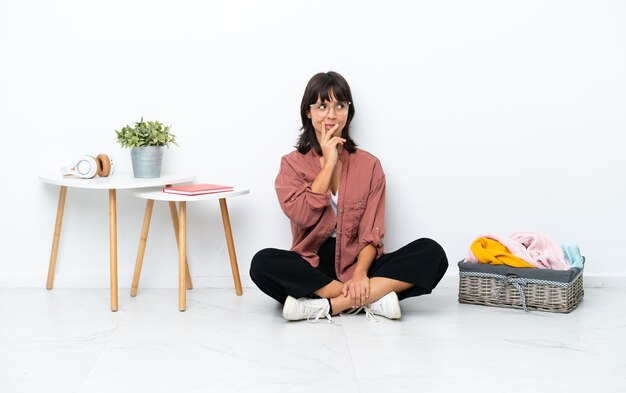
<point x="543" y="250"/>
<point x="533" y="247"/>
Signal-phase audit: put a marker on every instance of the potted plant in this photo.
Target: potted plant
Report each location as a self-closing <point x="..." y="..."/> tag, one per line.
<point x="145" y="141"/>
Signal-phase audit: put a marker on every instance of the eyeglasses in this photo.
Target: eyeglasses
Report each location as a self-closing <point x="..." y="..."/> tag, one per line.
<point x="322" y="108"/>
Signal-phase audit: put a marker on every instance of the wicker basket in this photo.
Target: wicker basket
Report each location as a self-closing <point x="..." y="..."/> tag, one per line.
<point x="512" y="287"/>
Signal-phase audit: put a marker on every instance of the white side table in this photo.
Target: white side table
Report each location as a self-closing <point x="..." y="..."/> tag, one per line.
<point x="112" y="183"/>
<point x="156" y="194"/>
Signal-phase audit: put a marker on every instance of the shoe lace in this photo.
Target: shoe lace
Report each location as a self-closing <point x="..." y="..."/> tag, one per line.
<point x="320" y="309"/>
<point x="368" y="313"/>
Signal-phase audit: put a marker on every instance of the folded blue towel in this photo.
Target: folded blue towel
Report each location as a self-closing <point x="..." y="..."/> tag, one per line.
<point x="572" y="254"/>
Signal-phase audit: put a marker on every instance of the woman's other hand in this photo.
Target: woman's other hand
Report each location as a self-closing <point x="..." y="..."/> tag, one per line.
<point x="358" y="288"/>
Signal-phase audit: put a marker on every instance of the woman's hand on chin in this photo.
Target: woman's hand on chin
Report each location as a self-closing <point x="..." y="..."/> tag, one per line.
<point x="329" y="145"/>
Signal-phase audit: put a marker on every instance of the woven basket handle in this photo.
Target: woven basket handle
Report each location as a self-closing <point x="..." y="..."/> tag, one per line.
<point x="513" y="279"/>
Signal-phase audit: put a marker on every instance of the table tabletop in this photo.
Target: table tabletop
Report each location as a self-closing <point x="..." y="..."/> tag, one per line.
<point x="116" y="181"/>
<point x="157" y="194"/>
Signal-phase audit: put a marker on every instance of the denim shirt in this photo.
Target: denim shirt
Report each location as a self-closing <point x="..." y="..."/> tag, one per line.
<point x="360" y="218"/>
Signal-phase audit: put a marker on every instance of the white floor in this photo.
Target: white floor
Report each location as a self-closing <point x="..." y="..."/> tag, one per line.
<point x="67" y="341"/>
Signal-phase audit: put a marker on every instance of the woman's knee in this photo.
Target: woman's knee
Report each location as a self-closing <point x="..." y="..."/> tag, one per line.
<point x="434" y="250"/>
<point x="439" y="255"/>
<point x="262" y="261"/>
<point x="433" y="246"/>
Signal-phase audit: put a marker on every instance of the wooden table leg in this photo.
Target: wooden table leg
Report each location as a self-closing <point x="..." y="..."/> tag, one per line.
<point x="113" y="246"/>
<point x="231" y="247"/>
<point x="56" y="237"/>
<point x="143" y="239"/>
<point x="174" y="215"/>
<point x="182" y="251"/>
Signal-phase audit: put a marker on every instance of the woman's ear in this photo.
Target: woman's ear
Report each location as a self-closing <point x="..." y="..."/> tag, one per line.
<point x="308" y="114"/>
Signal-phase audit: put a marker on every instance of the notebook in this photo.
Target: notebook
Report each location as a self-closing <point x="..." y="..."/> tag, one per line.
<point x="197" y="189"/>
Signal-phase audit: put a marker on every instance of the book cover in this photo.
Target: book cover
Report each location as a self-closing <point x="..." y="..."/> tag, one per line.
<point x="197" y="189"/>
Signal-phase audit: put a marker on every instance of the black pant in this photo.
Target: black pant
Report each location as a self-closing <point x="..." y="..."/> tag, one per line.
<point x="280" y="273"/>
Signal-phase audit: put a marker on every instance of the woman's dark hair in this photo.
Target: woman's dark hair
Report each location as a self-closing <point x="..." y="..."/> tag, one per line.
<point x="324" y="86"/>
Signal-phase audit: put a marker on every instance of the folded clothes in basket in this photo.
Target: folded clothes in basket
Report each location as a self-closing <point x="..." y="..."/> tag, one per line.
<point x="519" y="248"/>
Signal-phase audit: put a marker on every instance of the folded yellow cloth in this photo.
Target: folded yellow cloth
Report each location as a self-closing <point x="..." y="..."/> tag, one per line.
<point x="493" y="252"/>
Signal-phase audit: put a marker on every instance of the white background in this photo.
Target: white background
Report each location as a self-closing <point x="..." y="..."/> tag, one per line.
<point x="488" y="116"/>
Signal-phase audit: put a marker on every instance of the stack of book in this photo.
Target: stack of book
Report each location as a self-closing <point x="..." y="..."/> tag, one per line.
<point x="197" y="189"/>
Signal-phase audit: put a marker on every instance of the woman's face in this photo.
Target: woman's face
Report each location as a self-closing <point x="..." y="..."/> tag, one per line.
<point x="325" y="115"/>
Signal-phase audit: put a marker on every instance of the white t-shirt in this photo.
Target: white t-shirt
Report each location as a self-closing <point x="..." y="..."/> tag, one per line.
<point x="334" y="199"/>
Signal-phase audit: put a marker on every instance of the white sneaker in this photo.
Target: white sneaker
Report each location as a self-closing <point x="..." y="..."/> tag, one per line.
<point x="303" y="308"/>
<point x="387" y="306"/>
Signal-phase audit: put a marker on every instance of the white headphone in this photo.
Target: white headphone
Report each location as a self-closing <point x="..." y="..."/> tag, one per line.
<point x="87" y="167"/>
